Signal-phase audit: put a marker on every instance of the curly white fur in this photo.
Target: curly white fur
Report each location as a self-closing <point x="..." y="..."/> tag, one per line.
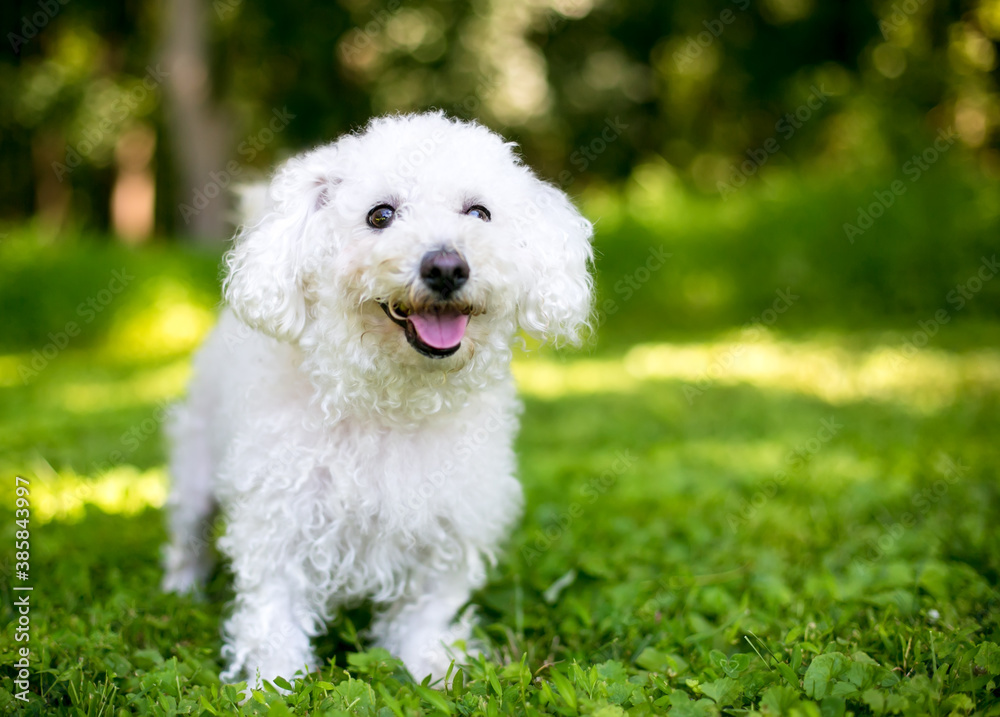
<point x="348" y="465"/>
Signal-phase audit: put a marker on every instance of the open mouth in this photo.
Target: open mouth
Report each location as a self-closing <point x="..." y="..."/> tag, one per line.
<point x="436" y="331"/>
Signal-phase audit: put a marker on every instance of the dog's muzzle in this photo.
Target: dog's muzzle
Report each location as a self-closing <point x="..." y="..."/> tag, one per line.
<point x="435" y="327"/>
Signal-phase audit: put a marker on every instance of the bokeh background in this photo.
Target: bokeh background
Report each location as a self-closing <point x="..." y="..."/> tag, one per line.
<point x="745" y="135"/>
<point x="797" y="210"/>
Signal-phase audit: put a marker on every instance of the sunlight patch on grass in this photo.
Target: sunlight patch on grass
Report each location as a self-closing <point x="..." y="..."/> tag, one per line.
<point x="794" y="462"/>
<point x="156" y="385"/>
<point x="546" y="378"/>
<point x="745" y="460"/>
<point x="9" y="375"/>
<point x="172" y="323"/>
<point x="123" y="490"/>
<point x="925" y="380"/>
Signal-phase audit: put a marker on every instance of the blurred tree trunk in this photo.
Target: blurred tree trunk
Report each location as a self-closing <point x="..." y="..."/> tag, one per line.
<point x="198" y="128"/>
<point x="133" y="196"/>
<point x="53" y="196"/>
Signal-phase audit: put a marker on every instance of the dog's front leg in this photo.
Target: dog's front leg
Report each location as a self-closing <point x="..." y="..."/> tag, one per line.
<point x="268" y="634"/>
<point x="422" y="627"/>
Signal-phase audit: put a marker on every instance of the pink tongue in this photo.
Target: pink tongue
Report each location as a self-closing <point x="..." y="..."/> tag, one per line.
<point x="440" y="331"/>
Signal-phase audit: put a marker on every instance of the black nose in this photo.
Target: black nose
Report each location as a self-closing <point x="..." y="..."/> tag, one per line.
<point x="444" y="271"/>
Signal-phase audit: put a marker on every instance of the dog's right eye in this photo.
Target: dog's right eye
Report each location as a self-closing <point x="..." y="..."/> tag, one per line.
<point x="381" y="216"/>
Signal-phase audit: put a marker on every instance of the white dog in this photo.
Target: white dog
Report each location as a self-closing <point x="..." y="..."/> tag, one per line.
<point x="352" y="415"/>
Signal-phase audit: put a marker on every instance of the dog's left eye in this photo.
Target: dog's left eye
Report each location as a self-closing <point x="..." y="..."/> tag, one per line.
<point x="478" y="211"/>
<point x="381" y="216"/>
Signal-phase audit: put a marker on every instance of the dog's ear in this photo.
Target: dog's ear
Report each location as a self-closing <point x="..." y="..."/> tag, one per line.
<point x="556" y="302"/>
<point x="272" y="251"/>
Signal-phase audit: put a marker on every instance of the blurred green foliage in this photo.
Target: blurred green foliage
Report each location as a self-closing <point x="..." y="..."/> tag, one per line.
<point x="726" y="262"/>
<point x="693" y="86"/>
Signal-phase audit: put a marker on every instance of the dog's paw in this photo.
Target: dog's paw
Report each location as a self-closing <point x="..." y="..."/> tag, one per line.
<point x="275" y="670"/>
<point x="432" y="652"/>
<point x="183" y="581"/>
<point x="184" y="571"/>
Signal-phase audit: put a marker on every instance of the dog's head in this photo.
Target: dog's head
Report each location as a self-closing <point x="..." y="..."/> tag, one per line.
<point x="422" y="239"/>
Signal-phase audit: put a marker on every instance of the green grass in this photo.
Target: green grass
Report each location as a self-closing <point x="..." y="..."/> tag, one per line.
<point x="798" y="521"/>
